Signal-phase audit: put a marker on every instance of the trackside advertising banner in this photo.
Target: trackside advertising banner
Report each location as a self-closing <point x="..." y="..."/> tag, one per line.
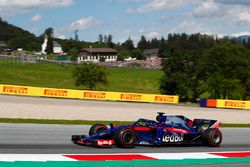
<point x="85" y="94"/>
<point x="233" y="104"/>
<point x="225" y="103"/>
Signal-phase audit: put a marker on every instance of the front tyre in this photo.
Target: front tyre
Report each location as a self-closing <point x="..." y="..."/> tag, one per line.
<point x="212" y="137"/>
<point x="125" y="138"/>
<point x="97" y="128"/>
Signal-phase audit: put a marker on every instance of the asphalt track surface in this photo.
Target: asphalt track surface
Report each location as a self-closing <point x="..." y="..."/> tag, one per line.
<point x="55" y="139"/>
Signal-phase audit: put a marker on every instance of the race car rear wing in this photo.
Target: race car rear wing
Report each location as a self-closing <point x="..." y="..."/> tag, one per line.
<point x="210" y="123"/>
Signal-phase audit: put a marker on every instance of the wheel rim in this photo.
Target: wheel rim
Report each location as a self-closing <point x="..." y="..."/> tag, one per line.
<point x="127" y="137"/>
<point x="216" y="138"/>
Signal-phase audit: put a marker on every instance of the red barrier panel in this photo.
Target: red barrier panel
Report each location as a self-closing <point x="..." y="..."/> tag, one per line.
<point x="211" y="103"/>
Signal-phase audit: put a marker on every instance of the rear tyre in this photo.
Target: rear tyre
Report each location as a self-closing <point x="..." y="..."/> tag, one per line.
<point x="125" y="138"/>
<point x="212" y="137"/>
<point x="97" y="128"/>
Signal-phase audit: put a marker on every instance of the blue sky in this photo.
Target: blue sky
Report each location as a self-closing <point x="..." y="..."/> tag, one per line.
<point x="129" y="18"/>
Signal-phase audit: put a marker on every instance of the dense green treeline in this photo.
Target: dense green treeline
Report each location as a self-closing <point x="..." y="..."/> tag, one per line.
<point x="214" y="69"/>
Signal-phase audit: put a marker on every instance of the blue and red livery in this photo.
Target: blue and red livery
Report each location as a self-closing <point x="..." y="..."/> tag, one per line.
<point x="165" y="130"/>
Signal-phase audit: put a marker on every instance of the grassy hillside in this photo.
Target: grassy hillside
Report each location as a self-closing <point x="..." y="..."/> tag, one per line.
<point x="60" y="76"/>
<point x="16" y="37"/>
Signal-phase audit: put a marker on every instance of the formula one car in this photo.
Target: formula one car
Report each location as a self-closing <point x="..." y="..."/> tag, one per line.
<point x="166" y="130"/>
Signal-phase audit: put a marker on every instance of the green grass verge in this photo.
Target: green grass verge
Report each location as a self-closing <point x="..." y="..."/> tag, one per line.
<point x="60" y="76"/>
<point x="66" y="122"/>
<point x="86" y="122"/>
<point x="236" y="125"/>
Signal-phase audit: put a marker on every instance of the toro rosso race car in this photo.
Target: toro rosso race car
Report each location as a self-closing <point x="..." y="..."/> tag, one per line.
<point x="165" y="130"/>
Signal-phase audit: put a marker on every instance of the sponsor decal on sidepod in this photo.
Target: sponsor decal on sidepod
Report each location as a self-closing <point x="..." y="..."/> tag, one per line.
<point x="172" y="138"/>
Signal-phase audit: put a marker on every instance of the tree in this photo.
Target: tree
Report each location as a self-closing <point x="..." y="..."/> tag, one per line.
<point x="73" y="52"/>
<point x="154" y="43"/>
<point x="100" y="38"/>
<point x="143" y="43"/>
<point x="247" y="89"/>
<point x="137" y="53"/>
<point x="248" y="43"/>
<point x="90" y="75"/>
<point x="162" y="46"/>
<point x="128" y="45"/>
<point x="170" y="37"/>
<point x="226" y="71"/>
<point x="76" y="35"/>
<point x="105" y="38"/>
<point x="123" y="54"/>
<point x="49" y="33"/>
<point x="180" y="73"/>
<point x="109" y="41"/>
<point x="49" y="48"/>
<point x="174" y="85"/>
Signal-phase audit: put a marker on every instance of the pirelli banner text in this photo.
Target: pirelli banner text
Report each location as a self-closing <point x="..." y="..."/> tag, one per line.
<point x="220" y="103"/>
<point x="85" y="94"/>
<point x="233" y="104"/>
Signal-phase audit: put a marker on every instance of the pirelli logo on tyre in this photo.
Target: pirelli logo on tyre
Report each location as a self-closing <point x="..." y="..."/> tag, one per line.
<point x="15" y="90"/>
<point x="235" y="104"/>
<point x="56" y="92"/>
<point x="94" y="95"/>
<point x="131" y="97"/>
<point x="166" y="99"/>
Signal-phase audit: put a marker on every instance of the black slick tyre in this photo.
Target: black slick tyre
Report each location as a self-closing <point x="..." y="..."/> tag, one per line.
<point x="125" y="138"/>
<point x="212" y="137"/>
<point x="97" y="128"/>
